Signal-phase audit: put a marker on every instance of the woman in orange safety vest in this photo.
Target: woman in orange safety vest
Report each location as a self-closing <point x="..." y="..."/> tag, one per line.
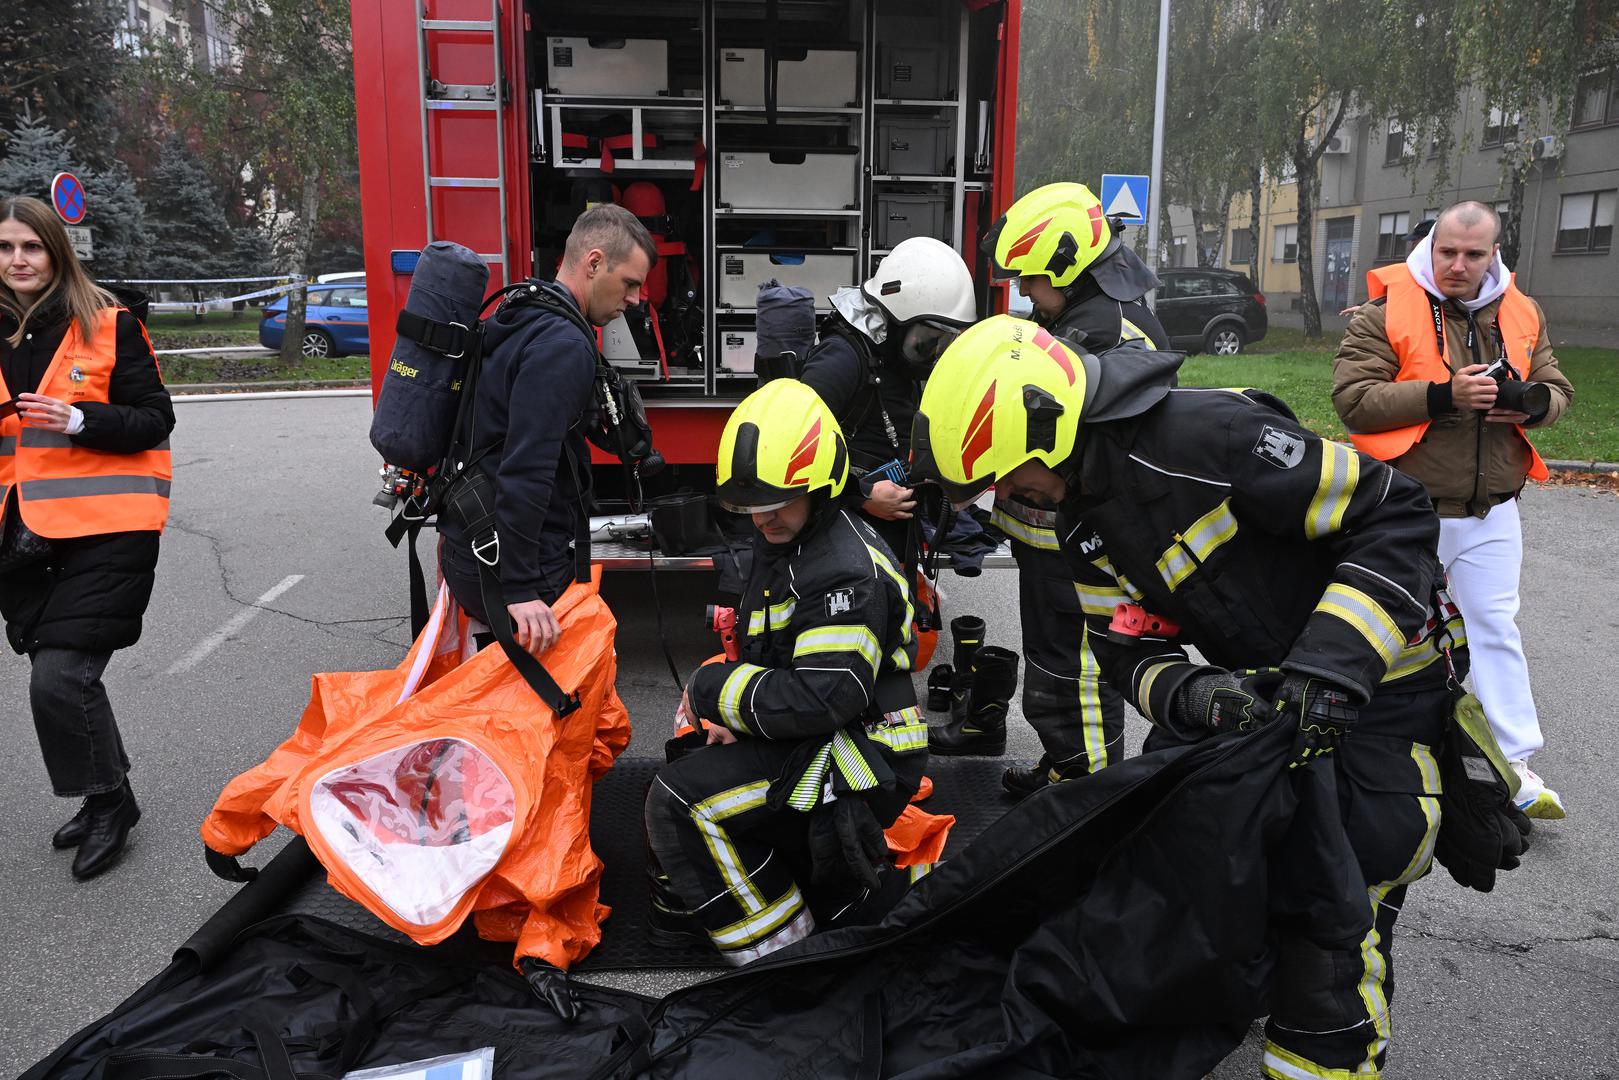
<point x="84" y="493"/>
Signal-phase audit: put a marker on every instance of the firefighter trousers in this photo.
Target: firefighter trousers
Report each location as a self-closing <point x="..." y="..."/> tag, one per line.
<point x="730" y="857"/>
<point x="1078" y="717"/>
<point x="1331" y="1012"/>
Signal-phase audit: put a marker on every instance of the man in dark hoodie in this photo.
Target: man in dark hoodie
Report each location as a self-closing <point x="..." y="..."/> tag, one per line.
<point x="1088" y="288"/>
<point x="534" y="393"/>
<point x="1307" y="576"/>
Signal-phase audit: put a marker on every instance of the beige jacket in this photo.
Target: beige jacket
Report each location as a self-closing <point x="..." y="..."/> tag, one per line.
<point x="1467" y="465"/>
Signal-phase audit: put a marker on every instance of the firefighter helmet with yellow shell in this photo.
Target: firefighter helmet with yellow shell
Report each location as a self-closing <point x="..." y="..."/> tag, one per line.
<point x="1005" y="392"/>
<point x="1055" y="232"/>
<point x="780" y="443"/>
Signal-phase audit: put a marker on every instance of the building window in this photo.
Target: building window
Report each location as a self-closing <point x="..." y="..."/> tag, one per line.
<point x="1397" y="146"/>
<point x="1391" y="230"/>
<point x="1500" y="128"/>
<point x="1596" y="99"/>
<point x="1287" y="244"/>
<point x="1242" y="246"/>
<point x="1585" y="222"/>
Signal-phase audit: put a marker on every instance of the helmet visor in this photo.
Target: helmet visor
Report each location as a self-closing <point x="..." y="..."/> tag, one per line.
<point x="925" y="341"/>
<point x="754" y="498"/>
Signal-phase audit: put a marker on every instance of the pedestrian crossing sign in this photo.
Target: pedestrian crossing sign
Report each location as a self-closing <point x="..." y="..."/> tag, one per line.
<point x="1126" y="196"/>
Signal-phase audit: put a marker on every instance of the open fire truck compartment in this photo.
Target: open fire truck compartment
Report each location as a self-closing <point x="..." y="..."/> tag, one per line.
<point x="787" y="139"/>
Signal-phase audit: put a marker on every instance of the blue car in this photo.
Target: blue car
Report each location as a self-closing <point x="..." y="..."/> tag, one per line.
<point x="335" y="322"/>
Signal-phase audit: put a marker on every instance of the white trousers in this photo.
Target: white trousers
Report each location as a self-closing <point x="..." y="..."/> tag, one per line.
<point x="1483" y="559"/>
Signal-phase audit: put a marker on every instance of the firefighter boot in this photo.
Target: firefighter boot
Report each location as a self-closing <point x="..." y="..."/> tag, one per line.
<point x="1053" y="707"/>
<point x="966" y="638"/>
<point x="981" y="730"/>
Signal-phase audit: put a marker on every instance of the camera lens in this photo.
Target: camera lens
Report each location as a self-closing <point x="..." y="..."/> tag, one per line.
<point x="1531" y="398"/>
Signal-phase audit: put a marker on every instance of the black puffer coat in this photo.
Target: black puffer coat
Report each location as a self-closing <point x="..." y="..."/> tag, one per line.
<point x="94" y="591"/>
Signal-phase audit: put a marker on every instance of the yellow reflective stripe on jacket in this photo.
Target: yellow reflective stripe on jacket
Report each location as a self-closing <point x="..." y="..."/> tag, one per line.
<point x="1099" y="599"/>
<point x="818" y="640"/>
<point x="882" y="562"/>
<point x="1340" y="472"/>
<point x="807" y="788"/>
<point x="1104" y="564"/>
<point x="1024" y="533"/>
<point x="902" y="732"/>
<point x="900" y="658"/>
<point x="779" y="614"/>
<point x="1367" y="617"/>
<point x="1196" y="544"/>
<point x="1144" y="685"/>
<point x="1413" y="658"/>
<point x="1129" y="331"/>
<point x="731" y="693"/>
<point x="851" y="762"/>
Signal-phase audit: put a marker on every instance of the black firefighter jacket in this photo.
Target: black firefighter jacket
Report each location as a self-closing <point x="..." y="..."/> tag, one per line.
<point x="1269" y="546"/>
<point x="94" y="592"/>
<point x="827" y="622"/>
<point x="1097" y="322"/>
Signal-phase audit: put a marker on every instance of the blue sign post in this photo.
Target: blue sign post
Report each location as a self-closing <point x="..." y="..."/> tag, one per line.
<point x="1126" y="196"/>
<point x="67" y="195"/>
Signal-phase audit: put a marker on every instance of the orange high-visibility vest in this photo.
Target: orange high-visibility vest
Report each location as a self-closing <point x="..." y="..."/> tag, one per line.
<point x="64" y="490"/>
<point x="1410" y="328"/>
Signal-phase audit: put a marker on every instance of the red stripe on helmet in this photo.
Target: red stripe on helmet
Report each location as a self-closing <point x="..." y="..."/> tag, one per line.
<point x="1096" y="223"/>
<point x="1025" y="243"/>
<point x="980" y="433"/>
<point x="1054" y="349"/>
<point x="804" y="455"/>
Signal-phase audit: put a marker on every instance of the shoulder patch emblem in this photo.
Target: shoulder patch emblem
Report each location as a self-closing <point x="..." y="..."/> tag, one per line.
<point x="1281" y="448"/>
<point x="839" y="602"/>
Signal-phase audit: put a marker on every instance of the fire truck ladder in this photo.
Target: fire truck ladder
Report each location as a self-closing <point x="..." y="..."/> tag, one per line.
<point x="491" y="99"/>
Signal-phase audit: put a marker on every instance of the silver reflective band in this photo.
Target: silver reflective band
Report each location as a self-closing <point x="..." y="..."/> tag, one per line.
<point x="8" y="445"/>
<point x="41" y="439"/>
<point x="79" y="487"/>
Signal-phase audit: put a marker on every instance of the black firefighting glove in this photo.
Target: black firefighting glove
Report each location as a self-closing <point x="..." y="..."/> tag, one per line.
<point x="227" y="867"/>
<point x="550" y="984"/>
<point x="1481" y="831"/>
<point x="846" y="843"/>
<point x="1217" y="701"/>
<point x="1324" y="711"/>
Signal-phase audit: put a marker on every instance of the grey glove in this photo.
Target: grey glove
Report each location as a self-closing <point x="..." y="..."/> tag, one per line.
<point x="1324" y="711"/>
<point x="1218" y="701"/>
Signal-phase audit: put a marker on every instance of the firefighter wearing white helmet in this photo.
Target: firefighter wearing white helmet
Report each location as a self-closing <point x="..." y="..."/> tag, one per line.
<point x="874" y="353"/>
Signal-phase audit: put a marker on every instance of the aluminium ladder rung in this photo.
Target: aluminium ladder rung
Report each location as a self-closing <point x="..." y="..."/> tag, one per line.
<point x="462" y="105"/>
<point x="465" y="181"/>
<point x="486" y="26"/>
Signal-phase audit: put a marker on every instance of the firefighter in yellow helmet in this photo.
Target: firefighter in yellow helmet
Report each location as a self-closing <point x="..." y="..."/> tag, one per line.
<point x="1088" y="288"/>
<point x="1270" y="549"/>
<point x="814" y="742"/>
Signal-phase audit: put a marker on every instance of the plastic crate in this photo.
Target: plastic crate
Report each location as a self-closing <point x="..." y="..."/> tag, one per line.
<point x="902" y="216"/>
<point x="736" y="350"/>
<point x="912" y="146"/>
<point x="920" y="71"/>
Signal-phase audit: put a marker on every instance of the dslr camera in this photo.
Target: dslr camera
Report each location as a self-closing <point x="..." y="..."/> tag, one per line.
<point x="1514" y="394"/>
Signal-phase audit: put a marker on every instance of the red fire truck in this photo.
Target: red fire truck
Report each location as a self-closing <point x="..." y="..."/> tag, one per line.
<point x="789" y="139"/>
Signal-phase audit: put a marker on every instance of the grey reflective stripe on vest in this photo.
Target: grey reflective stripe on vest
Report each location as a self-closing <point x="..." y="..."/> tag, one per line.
<point x="40" y="439"/>
<point x="8" y="445"/>
<point x="83" y="486"/>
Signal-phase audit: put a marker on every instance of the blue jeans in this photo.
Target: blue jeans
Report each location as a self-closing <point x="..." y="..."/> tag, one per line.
<point x="84" y="754"/>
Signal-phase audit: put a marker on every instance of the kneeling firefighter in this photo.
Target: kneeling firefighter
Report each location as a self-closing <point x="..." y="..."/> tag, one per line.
<point x="1304" y="573"/>
<point x="1090" y="289"/>
<point x="815" y="743"/>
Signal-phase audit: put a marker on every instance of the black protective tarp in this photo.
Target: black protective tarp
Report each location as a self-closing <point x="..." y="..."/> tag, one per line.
<point x="1113" y="927"/>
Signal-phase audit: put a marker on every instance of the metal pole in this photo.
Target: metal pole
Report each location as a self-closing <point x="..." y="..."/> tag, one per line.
<point x="1156" y="191"/>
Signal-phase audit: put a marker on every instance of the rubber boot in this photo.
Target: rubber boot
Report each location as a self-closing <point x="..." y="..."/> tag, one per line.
<point x="981" y="731"/>
<point x="966" y="638"/>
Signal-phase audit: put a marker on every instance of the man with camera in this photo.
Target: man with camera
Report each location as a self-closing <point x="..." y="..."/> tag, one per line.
<point x="1439" y="374"/>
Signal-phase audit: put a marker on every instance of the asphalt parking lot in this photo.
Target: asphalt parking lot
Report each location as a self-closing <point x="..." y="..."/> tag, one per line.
<point x="274" y="567"/>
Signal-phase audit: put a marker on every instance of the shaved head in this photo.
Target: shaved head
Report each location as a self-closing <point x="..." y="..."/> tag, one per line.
<point x="1469" y="214"/>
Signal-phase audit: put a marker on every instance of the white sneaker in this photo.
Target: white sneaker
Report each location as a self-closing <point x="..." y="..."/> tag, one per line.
<point x="1535" y="799"/>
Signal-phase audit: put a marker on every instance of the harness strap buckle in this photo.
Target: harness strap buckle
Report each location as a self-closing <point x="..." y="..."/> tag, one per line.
<point x="490" y="542"/>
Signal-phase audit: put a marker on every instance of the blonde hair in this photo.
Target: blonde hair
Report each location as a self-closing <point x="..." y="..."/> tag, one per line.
<point x="83" y="297"/>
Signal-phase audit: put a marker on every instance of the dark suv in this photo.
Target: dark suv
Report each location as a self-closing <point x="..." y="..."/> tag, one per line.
<point x="1212" y="311"/>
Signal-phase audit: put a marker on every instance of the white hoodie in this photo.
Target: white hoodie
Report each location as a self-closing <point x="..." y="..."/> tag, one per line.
<point x="1420" y="263"/>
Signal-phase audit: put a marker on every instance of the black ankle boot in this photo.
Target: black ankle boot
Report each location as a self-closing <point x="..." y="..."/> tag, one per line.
<point x="111" y="816"/>
<point x="966" y="638"/>
<point x="72" y="833"/>
<point x="1021" y="781"/>
<point x="981" y="729"/>
<point x="669" y="924"/>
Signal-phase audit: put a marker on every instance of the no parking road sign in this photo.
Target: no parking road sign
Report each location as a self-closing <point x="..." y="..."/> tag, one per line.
<point x="67" y="195"/>
<point x="1126" y="196"/>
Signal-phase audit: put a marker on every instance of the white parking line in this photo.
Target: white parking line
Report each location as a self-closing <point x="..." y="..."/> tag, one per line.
<point x="232" y="626"/>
